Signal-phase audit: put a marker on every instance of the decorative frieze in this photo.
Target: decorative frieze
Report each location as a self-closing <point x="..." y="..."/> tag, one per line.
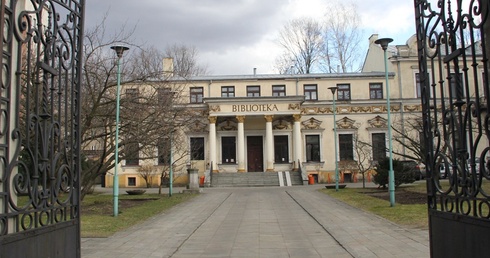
<point x="228" y="125"/>
<point x="281" y="124"/>
<point x="296" y="106"/>
<point x="348" y="109"/>
<point x="215" y="108"/>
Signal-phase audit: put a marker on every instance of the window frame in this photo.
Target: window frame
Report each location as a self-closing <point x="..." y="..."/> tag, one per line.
<point x="278" y="92"/>
<point x="310" y="94"/>
<point x="346" y="153"/>
<point x="377" y="152"/>
<point x="131" y="181"/>
<point x="197" y="147"/>
<point x="228" y="150"/>
<point x="281" y="149"/>
<point x="311" y="156"/>
<point x="227" y="91"/>
<point x="377" y="92"/>
<point x="343" y="93"/>
<point x="253" y="91"/>
<point x="164" y="159"/>
<point x="134" y="158"/>
<point x="196" y="95"/>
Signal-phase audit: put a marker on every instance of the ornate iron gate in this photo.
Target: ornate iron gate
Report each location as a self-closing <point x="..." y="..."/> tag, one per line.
<point x="39" y="128"/>
<point x="453" y="48"/>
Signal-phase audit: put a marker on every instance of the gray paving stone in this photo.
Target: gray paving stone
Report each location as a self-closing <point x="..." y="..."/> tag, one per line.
<point x="262" y="222"/>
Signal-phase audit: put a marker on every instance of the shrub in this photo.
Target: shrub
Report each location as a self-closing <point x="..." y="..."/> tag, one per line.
<point x="403" y="175"/>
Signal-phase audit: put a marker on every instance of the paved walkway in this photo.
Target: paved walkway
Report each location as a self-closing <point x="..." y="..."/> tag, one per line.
<point x="262" y="222"/>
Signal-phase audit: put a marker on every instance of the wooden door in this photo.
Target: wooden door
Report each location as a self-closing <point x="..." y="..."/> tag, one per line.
<point x="255" y="154"/>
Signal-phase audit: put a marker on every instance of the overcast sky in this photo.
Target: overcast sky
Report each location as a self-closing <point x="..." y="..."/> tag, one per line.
<point x="235" y="36"/>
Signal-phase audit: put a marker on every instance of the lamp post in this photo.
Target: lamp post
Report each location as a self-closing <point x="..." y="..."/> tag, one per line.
<point x="334" y="89"/>
<point x="119" y="52"/>
<point x="383" y="42"/>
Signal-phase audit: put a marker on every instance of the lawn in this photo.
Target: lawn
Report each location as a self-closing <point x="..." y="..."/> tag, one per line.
<point x="410" y="207"/>
<point x="411" y="212"/>
<point x="97" y="218"/>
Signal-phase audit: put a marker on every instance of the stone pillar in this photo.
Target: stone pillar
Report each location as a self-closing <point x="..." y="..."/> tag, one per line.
<point x="297" y="143"/>
<point x="193" y="183"/>
<point x="212" y="143"/>
<point x="269" y="144"/>
<point x="241" y="143"/>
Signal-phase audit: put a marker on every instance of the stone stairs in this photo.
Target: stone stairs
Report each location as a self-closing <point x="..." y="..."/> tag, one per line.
<point x="253" y="179"/>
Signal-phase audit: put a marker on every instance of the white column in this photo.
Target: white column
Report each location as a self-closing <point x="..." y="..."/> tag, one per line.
<point x="212" y="143"/>
<point x="297" y="143"/>
<point x="241" y="143"/>
<point x="269" y="144"/>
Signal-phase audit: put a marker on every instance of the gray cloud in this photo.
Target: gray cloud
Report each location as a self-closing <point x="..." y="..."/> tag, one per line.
<point x="211" y="25"/>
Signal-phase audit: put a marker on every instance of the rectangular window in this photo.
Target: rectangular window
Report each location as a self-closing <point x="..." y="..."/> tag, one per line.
<point x="278" y="90"/>
<point x="418" y="87"/>
<point x="197" y="148"/>
<point x="228" y="149"/>
<point x="197" y="94"/>
<point x="131" y="181"/>
<point x="484" y="86"/>
<point x="228" y="91"/>
<point x="379" y="146"/>
<point x="132" y="95"/>
<point x="311" y="92"/>
<point x="343" y="91"/>
<point x="164" y="151"/>
<point x="312" y="148"/>
<point x="253" y="91"/>
<point x="456" y="84"/>
<point x="376" y="90"/>
<point x="165" y="96"/>
<point x="346" y="147"/>
<point x="131" y="153"/>
<point x="281" y="151"/>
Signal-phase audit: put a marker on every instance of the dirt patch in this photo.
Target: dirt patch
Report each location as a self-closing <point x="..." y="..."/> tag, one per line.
<point x="402" y="196"/>
<point x="107" y="208"/>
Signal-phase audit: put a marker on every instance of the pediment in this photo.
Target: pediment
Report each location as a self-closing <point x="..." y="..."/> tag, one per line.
<point x="378" y="122"/>
<point x="311" y="124"/>
<point x="346" y="123"/>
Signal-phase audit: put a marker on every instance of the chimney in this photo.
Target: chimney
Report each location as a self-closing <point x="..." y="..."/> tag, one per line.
<point x="168" y="67"/>
<point x="255" y="71"/>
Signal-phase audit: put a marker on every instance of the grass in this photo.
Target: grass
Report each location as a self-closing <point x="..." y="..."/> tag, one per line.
<point x="96" y="222"/>
<point x="412" y="215"/>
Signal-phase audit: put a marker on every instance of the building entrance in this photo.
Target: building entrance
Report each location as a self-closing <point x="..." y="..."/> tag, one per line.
<point x="255" y="154"/>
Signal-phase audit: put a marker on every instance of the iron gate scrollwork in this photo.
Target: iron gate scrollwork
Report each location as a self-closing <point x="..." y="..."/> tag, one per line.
<point x="453" y="48"/>
<point x="39" y="128"/>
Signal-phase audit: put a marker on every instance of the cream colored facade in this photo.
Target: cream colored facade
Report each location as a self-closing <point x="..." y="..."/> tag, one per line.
<point x="267" y="123"/>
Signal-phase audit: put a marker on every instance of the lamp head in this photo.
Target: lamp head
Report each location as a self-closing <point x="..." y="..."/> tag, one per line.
<point x="119" y="50"/>
<point x="383" y="42"/>
<point x="333" y="89"/>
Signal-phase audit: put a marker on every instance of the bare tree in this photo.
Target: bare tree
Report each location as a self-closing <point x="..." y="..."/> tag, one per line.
<point x="185" y="60"/>
<point x="302" y="44"/>
<point x="147" y="172"/>
<point x="364" y="154"/>
<point x="407" y="134"/>
<point x="343" y="36"/>
<point x="148" y="102"/>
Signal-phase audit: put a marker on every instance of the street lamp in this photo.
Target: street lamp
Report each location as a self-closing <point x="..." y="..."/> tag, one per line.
<point x="119" y="52"/>
<point x="333" y="89"/>
<point x="391" y="175"/>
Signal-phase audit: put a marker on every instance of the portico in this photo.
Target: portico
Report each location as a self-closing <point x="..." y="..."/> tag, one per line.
<point x="254" y="127"/>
